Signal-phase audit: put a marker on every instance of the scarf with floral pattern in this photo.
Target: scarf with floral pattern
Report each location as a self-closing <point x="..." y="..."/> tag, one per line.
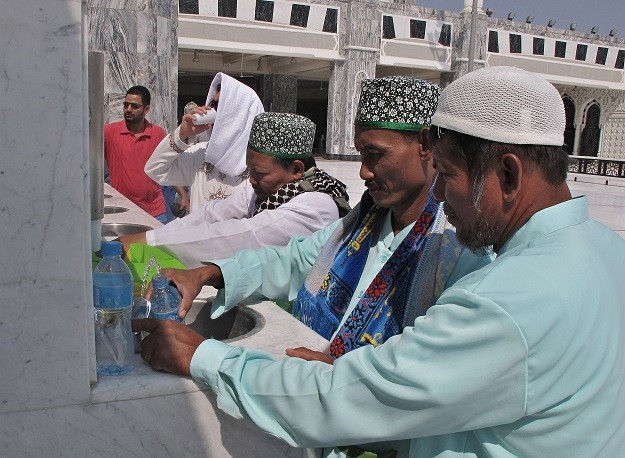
<point x="379" y="313"/>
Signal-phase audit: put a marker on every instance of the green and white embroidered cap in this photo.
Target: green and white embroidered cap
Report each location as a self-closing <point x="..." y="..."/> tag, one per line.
<point x="503" y="104"/>
<point x="396" y="102"/>
<point x="282" y="135"/>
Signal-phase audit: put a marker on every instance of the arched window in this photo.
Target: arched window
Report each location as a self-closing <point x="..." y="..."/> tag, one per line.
<point x="569" y="130"/>
<point x="589" y="144"/>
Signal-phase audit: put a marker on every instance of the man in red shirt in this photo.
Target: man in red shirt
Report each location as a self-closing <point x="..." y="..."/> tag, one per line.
<point x="128" y="144"/>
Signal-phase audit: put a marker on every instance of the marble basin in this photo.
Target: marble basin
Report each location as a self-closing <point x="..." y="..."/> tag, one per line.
<point x="113" y="209"/>
<point x="238" y="323"/>
<point x="113" y="230"/>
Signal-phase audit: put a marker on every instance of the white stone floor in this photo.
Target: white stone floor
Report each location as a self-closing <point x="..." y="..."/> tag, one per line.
<point x="606" y="201"/>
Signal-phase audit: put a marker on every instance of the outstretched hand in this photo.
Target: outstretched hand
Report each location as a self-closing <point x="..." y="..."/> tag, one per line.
<point x="309" y="355"/>
<point x="127" y="240"/>
<point x="170" y="345"/>
<point x="189" y="283"/>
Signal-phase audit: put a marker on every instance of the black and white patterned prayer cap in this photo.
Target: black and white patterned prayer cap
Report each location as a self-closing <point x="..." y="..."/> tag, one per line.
<point x="396" y="102"/>
<point x="282" y="135"/>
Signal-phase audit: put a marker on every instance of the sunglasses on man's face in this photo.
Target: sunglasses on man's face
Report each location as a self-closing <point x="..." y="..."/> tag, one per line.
<point x="214" y="104"/>
<point x="134" y="106"/>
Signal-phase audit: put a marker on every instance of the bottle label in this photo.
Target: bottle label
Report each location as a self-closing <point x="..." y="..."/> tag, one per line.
<point x="170" y="315"/>
<point x="112" y="296"/>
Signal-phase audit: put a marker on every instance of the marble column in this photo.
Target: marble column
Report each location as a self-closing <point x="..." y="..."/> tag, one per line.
<point x="361" y="51"/>
<point x="45" y="285"/>
<point x="280" y="93"/>
<point x="462" y="32"/>
<point x="140" y="42"/>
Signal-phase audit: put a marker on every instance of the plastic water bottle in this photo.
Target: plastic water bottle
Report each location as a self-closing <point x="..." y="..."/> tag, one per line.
<point x="112" y="298"/>
<point x="165" y="299"/>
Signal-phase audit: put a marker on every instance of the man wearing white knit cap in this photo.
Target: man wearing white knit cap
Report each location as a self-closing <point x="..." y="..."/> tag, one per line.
<point x="216" y="164"/>
<point x="524" y="357"/>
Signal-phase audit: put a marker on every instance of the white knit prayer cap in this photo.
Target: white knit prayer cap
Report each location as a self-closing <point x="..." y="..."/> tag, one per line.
<point x="503" y="104"/>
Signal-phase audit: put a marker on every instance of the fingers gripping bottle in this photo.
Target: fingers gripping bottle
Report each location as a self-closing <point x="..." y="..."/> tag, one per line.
<point x="165" y="299"/>
<point x="112" y="299"/>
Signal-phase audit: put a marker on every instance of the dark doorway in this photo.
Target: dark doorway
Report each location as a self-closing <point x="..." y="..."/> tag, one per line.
<point x="589" y="144"/>
<point x="569" y="129"/>
<point x="312" y="102"/>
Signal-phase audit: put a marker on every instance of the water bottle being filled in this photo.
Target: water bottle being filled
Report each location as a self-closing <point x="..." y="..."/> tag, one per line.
<point x="165" y="299"/>
<point x="112" y="299"/>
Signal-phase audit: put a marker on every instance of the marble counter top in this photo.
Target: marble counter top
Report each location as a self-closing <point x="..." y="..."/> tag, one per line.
<point x="279" y="332"/>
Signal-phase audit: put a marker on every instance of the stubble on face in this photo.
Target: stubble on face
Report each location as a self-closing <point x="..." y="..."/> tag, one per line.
<point x="480" y="238"/>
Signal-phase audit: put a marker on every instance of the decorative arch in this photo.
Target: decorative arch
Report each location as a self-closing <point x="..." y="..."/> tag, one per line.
<point x="591" y="130"/>
<point x="569" y="129"/>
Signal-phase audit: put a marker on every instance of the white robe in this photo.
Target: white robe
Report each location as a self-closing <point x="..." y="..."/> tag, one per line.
<point x="223" y="227"/>
<point x="224" y="147"/>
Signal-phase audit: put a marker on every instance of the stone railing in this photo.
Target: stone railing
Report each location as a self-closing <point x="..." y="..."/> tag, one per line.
<point x="597" y="166"/>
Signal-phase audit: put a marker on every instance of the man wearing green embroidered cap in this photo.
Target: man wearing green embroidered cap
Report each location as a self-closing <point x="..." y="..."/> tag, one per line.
<point x="375" y="270"/>
<point x="286" y="195"/>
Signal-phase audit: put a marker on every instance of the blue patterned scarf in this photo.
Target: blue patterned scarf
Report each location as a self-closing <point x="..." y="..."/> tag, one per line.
<point x="379" y="313"/>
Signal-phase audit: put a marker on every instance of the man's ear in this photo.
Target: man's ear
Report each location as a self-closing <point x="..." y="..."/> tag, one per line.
<point x="426" y="144"/>
<point x="297" y="168"/>
<point x="510" y="175"/>
<point x="146" y="109"/>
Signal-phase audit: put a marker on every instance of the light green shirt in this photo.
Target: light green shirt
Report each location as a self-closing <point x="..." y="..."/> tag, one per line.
<point x="525" y="357"/>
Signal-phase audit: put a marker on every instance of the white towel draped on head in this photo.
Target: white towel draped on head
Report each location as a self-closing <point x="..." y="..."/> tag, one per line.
<point x="238" y="105"/>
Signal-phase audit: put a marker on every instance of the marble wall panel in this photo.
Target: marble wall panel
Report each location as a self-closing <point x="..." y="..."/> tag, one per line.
<point x="146" y="33"/>
<point x="175" y="425"/>
<point x="121" y="72"/>
<point x="44" y="231"/>
<point x="164" y="8"/>
<point x="130" y="5"/>
<point x="99" y="35"/>
<point x="284" y="93"/>
<point x="123" y="31"/>
<point x="163" y="37"/>
<point x="173" y="30"/>
<point x="114" y="108"/>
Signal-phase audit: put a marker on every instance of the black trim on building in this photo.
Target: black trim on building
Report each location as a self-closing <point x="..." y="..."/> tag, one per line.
<point x="264" y="11"/>
<point x="493" y="41"/>
<point x="560" y="49"/>
<point x="227" y="8"/>
<point x="299" y="15"/>
<point x="417" y="28"/>
<point x="445" y="37"/>
<point x="515" y="43"/>
<point x="538" y="46"/>
<point x="388" y="28"/>
<point x="330" y="23"/>
<point x="189" y="7"/>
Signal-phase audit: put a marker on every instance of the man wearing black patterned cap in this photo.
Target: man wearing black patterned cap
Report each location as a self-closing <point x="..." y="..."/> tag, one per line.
<point x="383" y="264"/>
<point x="286" y="195"/>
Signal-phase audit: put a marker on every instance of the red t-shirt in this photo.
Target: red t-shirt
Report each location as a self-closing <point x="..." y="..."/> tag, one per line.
<point x="126" y="156"/>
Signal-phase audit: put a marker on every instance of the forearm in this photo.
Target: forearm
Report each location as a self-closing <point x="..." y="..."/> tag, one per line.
<point x="170" y="163"/>
<point x="409" y="379"/>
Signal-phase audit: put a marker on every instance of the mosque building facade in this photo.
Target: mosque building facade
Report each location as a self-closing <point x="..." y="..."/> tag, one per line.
<point x="309" y="57"/>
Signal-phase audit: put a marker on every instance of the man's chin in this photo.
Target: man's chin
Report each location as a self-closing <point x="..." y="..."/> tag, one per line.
<point x="478" y="242"/>
<point x="378" y="197"/>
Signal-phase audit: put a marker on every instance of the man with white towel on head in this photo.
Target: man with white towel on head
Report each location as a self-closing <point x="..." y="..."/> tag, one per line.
<point x="216" y="163"/>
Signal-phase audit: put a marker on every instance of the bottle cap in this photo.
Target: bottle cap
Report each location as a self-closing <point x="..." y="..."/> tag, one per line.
<point x="111" y="248"/>
<point x="159" y="281"/>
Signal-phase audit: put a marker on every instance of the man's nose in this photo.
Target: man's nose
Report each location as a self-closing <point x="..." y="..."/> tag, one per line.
<point x="365" y="172"/>
<point x="438" y="190"/>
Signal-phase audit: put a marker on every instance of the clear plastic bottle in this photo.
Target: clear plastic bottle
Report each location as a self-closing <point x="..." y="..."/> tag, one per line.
<point x="112" y="299"/>
<point x="165" y="299"/>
